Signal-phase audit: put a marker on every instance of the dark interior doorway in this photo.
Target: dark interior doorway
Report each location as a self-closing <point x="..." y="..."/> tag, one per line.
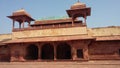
<point x="63" y="51"/>
<point x="32" y="52"/>
<point x="47" y="52"/>
<point x="80" y="53"/>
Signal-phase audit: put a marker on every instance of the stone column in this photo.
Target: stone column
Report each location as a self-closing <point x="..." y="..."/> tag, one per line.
<point x="23" y="23"/>
<point x="85" y="19"/>
<point x="72" y="20"/>
<point x="39" y="52"/>
<point x="86" y="55"/>
<point x="21" y="56"/>
<point x="11" y="55"/>
<point x="13" y="24"/>
<point x="19" y="25"/>
<point x="55" y="53"/>
<point x="74" y="53"/>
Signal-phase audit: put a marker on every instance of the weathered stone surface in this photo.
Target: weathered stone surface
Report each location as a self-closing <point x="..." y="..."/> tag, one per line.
<point x="104" y="50"/>
<point x="5" y="36"/>
<point x="105" y="31"/>
<point x="50" y="32"/>
<point x="90" y="64"/>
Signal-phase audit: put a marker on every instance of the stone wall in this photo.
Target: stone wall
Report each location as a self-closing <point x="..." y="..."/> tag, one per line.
<point x="5" y="36"/>
<point x="17" y="52"/>
<point x="105" y="31"/>
<point x="4" y="53"/>
<point x="80" y="44"/>
<point x="50" y="32"/>
<point x="105" y="50"/>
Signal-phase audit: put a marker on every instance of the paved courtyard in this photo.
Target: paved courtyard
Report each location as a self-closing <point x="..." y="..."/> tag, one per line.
<point x="75" y="64"/>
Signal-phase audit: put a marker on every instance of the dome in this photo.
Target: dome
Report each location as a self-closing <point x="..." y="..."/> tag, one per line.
<point x="20" y="12"/>
<point x="78" y="5"/>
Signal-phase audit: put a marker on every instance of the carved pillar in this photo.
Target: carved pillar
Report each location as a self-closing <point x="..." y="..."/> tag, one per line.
<point x="86" y="55"/>
<point x="11" y="54"/>
<point x="39" y="52"/>
<point x="21" y="56"/>
<point x="19" y="25"/>
<point x="23" y="23"/>
<point x="13" y="24"/>
<point x="72" y="20"/>
<point x="74" y="53"/>
<point x="55" y="53"/>
<point x="85" y="19"/>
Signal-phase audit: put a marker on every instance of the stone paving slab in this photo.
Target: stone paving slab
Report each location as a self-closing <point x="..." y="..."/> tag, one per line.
<point x="89" y="64"/>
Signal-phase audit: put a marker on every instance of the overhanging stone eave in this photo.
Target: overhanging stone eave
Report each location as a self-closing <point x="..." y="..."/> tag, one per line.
<point x="49" y="39"/>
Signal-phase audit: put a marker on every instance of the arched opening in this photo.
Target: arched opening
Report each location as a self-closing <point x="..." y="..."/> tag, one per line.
<point x="32" y="52"/>
<point x="63" y="51"/>
<point x="47" y="52"/>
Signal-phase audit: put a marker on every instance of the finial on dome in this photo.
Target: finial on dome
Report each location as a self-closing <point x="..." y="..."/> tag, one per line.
<point x="78" y="5"/>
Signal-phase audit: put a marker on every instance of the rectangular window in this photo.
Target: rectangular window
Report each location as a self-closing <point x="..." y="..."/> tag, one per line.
<point x="80" y="53"/>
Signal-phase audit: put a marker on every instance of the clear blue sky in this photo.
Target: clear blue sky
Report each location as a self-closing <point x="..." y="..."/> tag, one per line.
<point x="104" y="12"/>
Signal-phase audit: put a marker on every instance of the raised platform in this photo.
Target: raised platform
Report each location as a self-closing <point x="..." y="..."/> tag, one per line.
<point x="75" y="64"/>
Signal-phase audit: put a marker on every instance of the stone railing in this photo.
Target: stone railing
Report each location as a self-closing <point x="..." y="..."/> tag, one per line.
<point x="40" y="27"/>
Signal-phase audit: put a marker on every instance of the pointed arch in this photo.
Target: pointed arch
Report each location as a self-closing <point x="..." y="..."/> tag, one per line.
<point x="63" y="51"/>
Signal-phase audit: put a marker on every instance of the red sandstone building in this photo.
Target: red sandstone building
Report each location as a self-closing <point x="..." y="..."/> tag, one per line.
<point x="59" y="40"/>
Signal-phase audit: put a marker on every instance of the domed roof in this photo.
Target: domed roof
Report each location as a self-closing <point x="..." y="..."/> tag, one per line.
<point x="20" y="12"/>
<point x="78" y="5"/>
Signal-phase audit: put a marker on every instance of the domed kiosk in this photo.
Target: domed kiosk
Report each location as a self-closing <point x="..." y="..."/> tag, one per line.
<point x="79" y="10"/>
<point x="21" y="16"/>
